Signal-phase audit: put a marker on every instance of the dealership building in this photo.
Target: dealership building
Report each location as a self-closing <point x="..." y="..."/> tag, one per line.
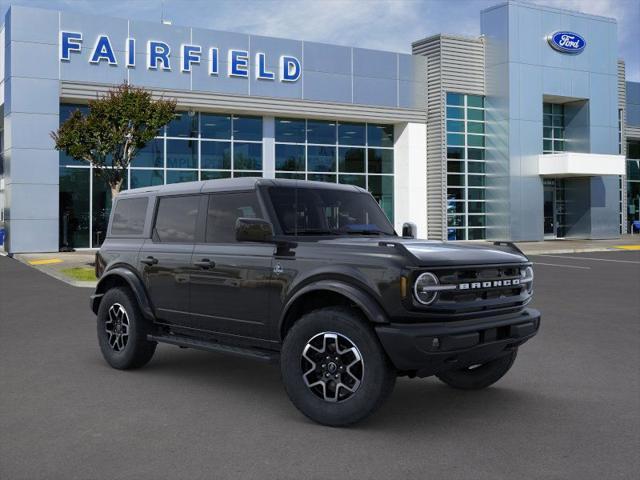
<point x="527" y="132"/>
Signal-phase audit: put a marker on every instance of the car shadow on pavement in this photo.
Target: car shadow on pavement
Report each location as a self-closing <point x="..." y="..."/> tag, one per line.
<point x="414" y="405"/>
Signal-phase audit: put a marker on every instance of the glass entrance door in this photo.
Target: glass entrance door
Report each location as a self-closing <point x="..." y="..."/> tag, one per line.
<point x="555" y="208"/>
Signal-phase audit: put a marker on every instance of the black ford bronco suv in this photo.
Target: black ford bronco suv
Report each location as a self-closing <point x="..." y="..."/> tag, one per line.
<point x="313" y="276"/>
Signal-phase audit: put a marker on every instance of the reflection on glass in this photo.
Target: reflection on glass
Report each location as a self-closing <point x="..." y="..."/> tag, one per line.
<point x="101" y="206"/>
<point x="215" y="155"/>
<point x="184" y="124"/>
<point x="381" y="187"/>
<point x="179" y="176"/>
<point x="151" y="155"/>
<point x="351" y="133"/>
<point x="205" y="175"/>
<point x="290" y="130"/>
<point x="247" y="127"/>
<point x="321" y="159"/>
<point x="380" y="161"/>
<point x="290" y="157"/>
<point x="321" y="178"/>
<point x="182" y="154"/>
<point x="74" y="207"/>
<point x="320" y="131"/>
<point x="379" y="135"/>
<point x="357" y="180"/>
<point x="146" y="178"/>
<point x="215" y="126"/>
<point x="351" y="159"/>
<point x="247" y="156"/>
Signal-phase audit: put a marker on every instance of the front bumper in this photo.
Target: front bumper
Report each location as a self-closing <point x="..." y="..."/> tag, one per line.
<point x="429" y="348"/>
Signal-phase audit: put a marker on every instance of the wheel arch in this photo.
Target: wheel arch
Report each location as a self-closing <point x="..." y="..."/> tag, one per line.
<point x="122" y="277"/>
<point x="329" y="293"/>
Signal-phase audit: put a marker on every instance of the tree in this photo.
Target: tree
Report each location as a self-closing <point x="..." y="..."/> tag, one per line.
<point x="117" y="126"/>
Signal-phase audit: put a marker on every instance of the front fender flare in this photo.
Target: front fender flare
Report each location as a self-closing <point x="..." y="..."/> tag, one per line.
<point x="133" y="281"/>
<point x="369" y="306"/>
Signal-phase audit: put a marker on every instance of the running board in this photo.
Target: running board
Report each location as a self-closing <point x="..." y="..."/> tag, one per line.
<point x="210" y="346"/>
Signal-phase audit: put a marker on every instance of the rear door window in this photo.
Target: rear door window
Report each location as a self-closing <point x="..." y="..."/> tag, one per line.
<point x="224" y="210"/>
<point x="176" y="219"/>
<point x="128" y="216"/>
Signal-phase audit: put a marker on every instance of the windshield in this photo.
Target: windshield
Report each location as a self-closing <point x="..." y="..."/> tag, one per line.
<point x="326" y="211"/>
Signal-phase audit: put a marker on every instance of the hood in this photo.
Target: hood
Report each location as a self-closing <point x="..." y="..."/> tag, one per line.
<point x="435" y="253"/>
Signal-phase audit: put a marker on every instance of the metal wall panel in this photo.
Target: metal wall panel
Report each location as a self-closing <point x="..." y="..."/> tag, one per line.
<point x="455" y="64"/>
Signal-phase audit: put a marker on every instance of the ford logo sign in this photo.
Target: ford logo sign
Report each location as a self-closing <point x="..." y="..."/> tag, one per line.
<point x="567" y="42"/>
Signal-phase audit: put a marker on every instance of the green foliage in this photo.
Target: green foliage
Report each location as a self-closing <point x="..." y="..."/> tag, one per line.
<point x="83" y="274"/>
<point x="117" y="126"/>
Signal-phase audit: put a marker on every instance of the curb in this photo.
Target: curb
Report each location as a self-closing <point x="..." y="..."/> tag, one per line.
<point x="572" y="250"/>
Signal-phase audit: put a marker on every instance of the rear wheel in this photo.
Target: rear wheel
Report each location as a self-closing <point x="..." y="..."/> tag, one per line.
<point x="334" y="368"/>
<point x="122" y="331"/>
<point x="480" y="376"/>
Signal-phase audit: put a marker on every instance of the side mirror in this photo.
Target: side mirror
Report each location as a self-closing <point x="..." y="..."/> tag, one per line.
<point x="409" y="230"/>
<point x="254" y="230"/>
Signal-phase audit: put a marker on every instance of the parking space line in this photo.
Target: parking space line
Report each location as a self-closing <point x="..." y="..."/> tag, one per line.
<point x="591" y="258"/>
<point x="559" y="265"/>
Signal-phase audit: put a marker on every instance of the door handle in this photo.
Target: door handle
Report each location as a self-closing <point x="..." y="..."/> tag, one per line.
<point x="205" y="263"/>
<point x="149" y="260"/>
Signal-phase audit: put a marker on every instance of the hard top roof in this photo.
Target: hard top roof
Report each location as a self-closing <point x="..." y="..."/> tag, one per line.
<point x="231" y="184"/>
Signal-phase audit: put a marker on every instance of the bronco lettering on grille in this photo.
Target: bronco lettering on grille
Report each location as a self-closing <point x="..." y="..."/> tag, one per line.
<point x="511" y="282"/>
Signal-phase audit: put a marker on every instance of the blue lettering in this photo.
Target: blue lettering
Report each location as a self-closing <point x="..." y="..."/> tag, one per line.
<point x="238" y="63"/>
<point x="103" y="51"/>
<point x="131" y="52"/>
<point x="213" y="61"/>
<point x="158" y="52"/>
<point x="69" y="42"/>
<point x="261" y="68"/>
<point x="290" y="70"/>
<point x="190" y="55"/>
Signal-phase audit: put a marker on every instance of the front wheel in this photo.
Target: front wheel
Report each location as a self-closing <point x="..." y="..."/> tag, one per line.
<point x="334" y="368"/>
<point x="480" y="376"/>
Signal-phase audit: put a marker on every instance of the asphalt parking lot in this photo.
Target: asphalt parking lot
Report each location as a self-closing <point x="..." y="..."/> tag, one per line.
<point x="569" y="408"/>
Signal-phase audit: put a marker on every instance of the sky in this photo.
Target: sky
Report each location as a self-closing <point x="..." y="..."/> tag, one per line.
<point x="378" y="24"/>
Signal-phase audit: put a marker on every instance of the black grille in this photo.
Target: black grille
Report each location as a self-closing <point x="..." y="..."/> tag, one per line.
<point x="483" y="299"/>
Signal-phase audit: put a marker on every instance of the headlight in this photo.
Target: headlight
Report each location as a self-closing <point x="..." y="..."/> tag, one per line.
<point x="425" y="289"/>
<point x="526" y="277"/>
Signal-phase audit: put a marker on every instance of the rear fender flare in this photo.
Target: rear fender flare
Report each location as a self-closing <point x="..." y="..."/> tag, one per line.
<point x="133" y="281"/>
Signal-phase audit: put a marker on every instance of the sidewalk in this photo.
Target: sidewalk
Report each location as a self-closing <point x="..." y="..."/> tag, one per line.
<point x="65" y="266"/>
<point x="626" y="242"/>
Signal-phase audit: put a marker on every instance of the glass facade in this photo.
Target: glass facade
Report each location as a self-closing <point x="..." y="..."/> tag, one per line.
<point x="194" y="146"/>
<point x="345" y="152"/>
<point x="552" y="128"/>
<point x="466" y="173"/>
<point x="633" y="182"/>
<point x="205" y="146"/>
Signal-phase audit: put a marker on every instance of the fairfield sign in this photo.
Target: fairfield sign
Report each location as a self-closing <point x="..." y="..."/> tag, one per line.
<point x="159" y="56"/>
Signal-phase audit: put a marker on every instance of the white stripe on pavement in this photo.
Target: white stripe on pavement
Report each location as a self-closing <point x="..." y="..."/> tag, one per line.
<point x="558" y="265"/>
<point x="589" y="258"/>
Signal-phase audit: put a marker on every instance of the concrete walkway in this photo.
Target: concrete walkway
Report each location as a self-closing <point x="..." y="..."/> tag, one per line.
<point x="627" y="242"/>
<point x="54" y="264"/>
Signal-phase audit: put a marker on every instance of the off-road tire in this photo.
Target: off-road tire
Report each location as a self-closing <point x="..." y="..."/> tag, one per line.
<point x="377" y="375"/>
<point x="481" y="376"/>
<point x="136" y="351"/>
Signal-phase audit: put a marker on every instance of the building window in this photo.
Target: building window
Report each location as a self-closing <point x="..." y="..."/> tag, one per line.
<point x="552" y="128"/>
<point x="633" y="182"/>
<point x="344" y="152"/>
<point x="194" y="146"/>
<point x="466" y="172"/>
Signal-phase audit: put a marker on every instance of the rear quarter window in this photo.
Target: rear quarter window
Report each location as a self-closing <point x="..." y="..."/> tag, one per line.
<point x="129" y="216"/>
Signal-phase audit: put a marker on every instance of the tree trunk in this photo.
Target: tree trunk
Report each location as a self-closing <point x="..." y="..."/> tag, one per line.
<point x="115" y="189"/>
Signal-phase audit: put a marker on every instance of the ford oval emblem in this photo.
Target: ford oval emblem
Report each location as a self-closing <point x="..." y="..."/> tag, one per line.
<point x="567" y="42"/>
